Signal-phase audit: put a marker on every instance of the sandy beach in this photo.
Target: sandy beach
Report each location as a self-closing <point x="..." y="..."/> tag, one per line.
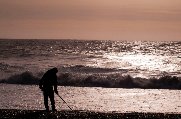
<point x="29" y="97"/>
<point x="78" y="114"/>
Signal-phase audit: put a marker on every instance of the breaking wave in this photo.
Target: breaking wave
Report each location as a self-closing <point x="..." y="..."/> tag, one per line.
<point x="100" y="80"/>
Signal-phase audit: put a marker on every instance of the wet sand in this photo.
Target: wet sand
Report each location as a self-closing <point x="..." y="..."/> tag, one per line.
<point x="27" y="97"/>
<point x="78" y="114"/>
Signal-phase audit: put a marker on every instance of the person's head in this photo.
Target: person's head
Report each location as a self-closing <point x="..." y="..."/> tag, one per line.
<point x="54" y="70"/>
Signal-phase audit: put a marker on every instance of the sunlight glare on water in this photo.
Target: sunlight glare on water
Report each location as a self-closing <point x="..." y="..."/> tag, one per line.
<point x="139" y="61"/>
<point x="154" y="64"/>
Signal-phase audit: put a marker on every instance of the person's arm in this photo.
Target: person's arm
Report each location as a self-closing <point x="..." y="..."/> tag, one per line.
<point x="55" y="85"/>
<point x="41" y="83"/>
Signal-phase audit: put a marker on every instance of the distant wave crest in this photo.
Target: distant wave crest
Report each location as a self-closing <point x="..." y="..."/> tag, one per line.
<point x="100" y="80"/>
<point x="24" y="78"/>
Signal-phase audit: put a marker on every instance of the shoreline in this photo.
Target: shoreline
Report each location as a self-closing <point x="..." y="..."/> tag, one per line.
<point x="81" y="114"/>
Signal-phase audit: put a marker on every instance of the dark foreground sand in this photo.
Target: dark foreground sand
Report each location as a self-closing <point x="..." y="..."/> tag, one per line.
<point x="78" y="114"/>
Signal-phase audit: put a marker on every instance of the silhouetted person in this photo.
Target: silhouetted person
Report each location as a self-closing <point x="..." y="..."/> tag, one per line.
<point x="48" y="84"/>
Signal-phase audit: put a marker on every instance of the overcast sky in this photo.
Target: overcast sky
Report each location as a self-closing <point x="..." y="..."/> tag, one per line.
<point x="91" y="19"/>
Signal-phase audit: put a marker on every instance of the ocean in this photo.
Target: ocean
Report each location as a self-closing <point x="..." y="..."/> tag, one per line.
<point x="102" y="76"/>
<point x="93" y="63"/>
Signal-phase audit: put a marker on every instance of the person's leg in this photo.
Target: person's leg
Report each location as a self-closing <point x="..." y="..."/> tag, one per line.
<point x="52" y="100"/>
<point x="46" y="100"/>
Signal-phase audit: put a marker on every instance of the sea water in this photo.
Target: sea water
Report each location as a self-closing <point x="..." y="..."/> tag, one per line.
<point x="135" y="58"/>
<point x="93" y="62"/>
<point x="96" y="64"/>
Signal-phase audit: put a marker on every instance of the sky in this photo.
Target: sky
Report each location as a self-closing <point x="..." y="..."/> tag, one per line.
<point x="156" y="20"/>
